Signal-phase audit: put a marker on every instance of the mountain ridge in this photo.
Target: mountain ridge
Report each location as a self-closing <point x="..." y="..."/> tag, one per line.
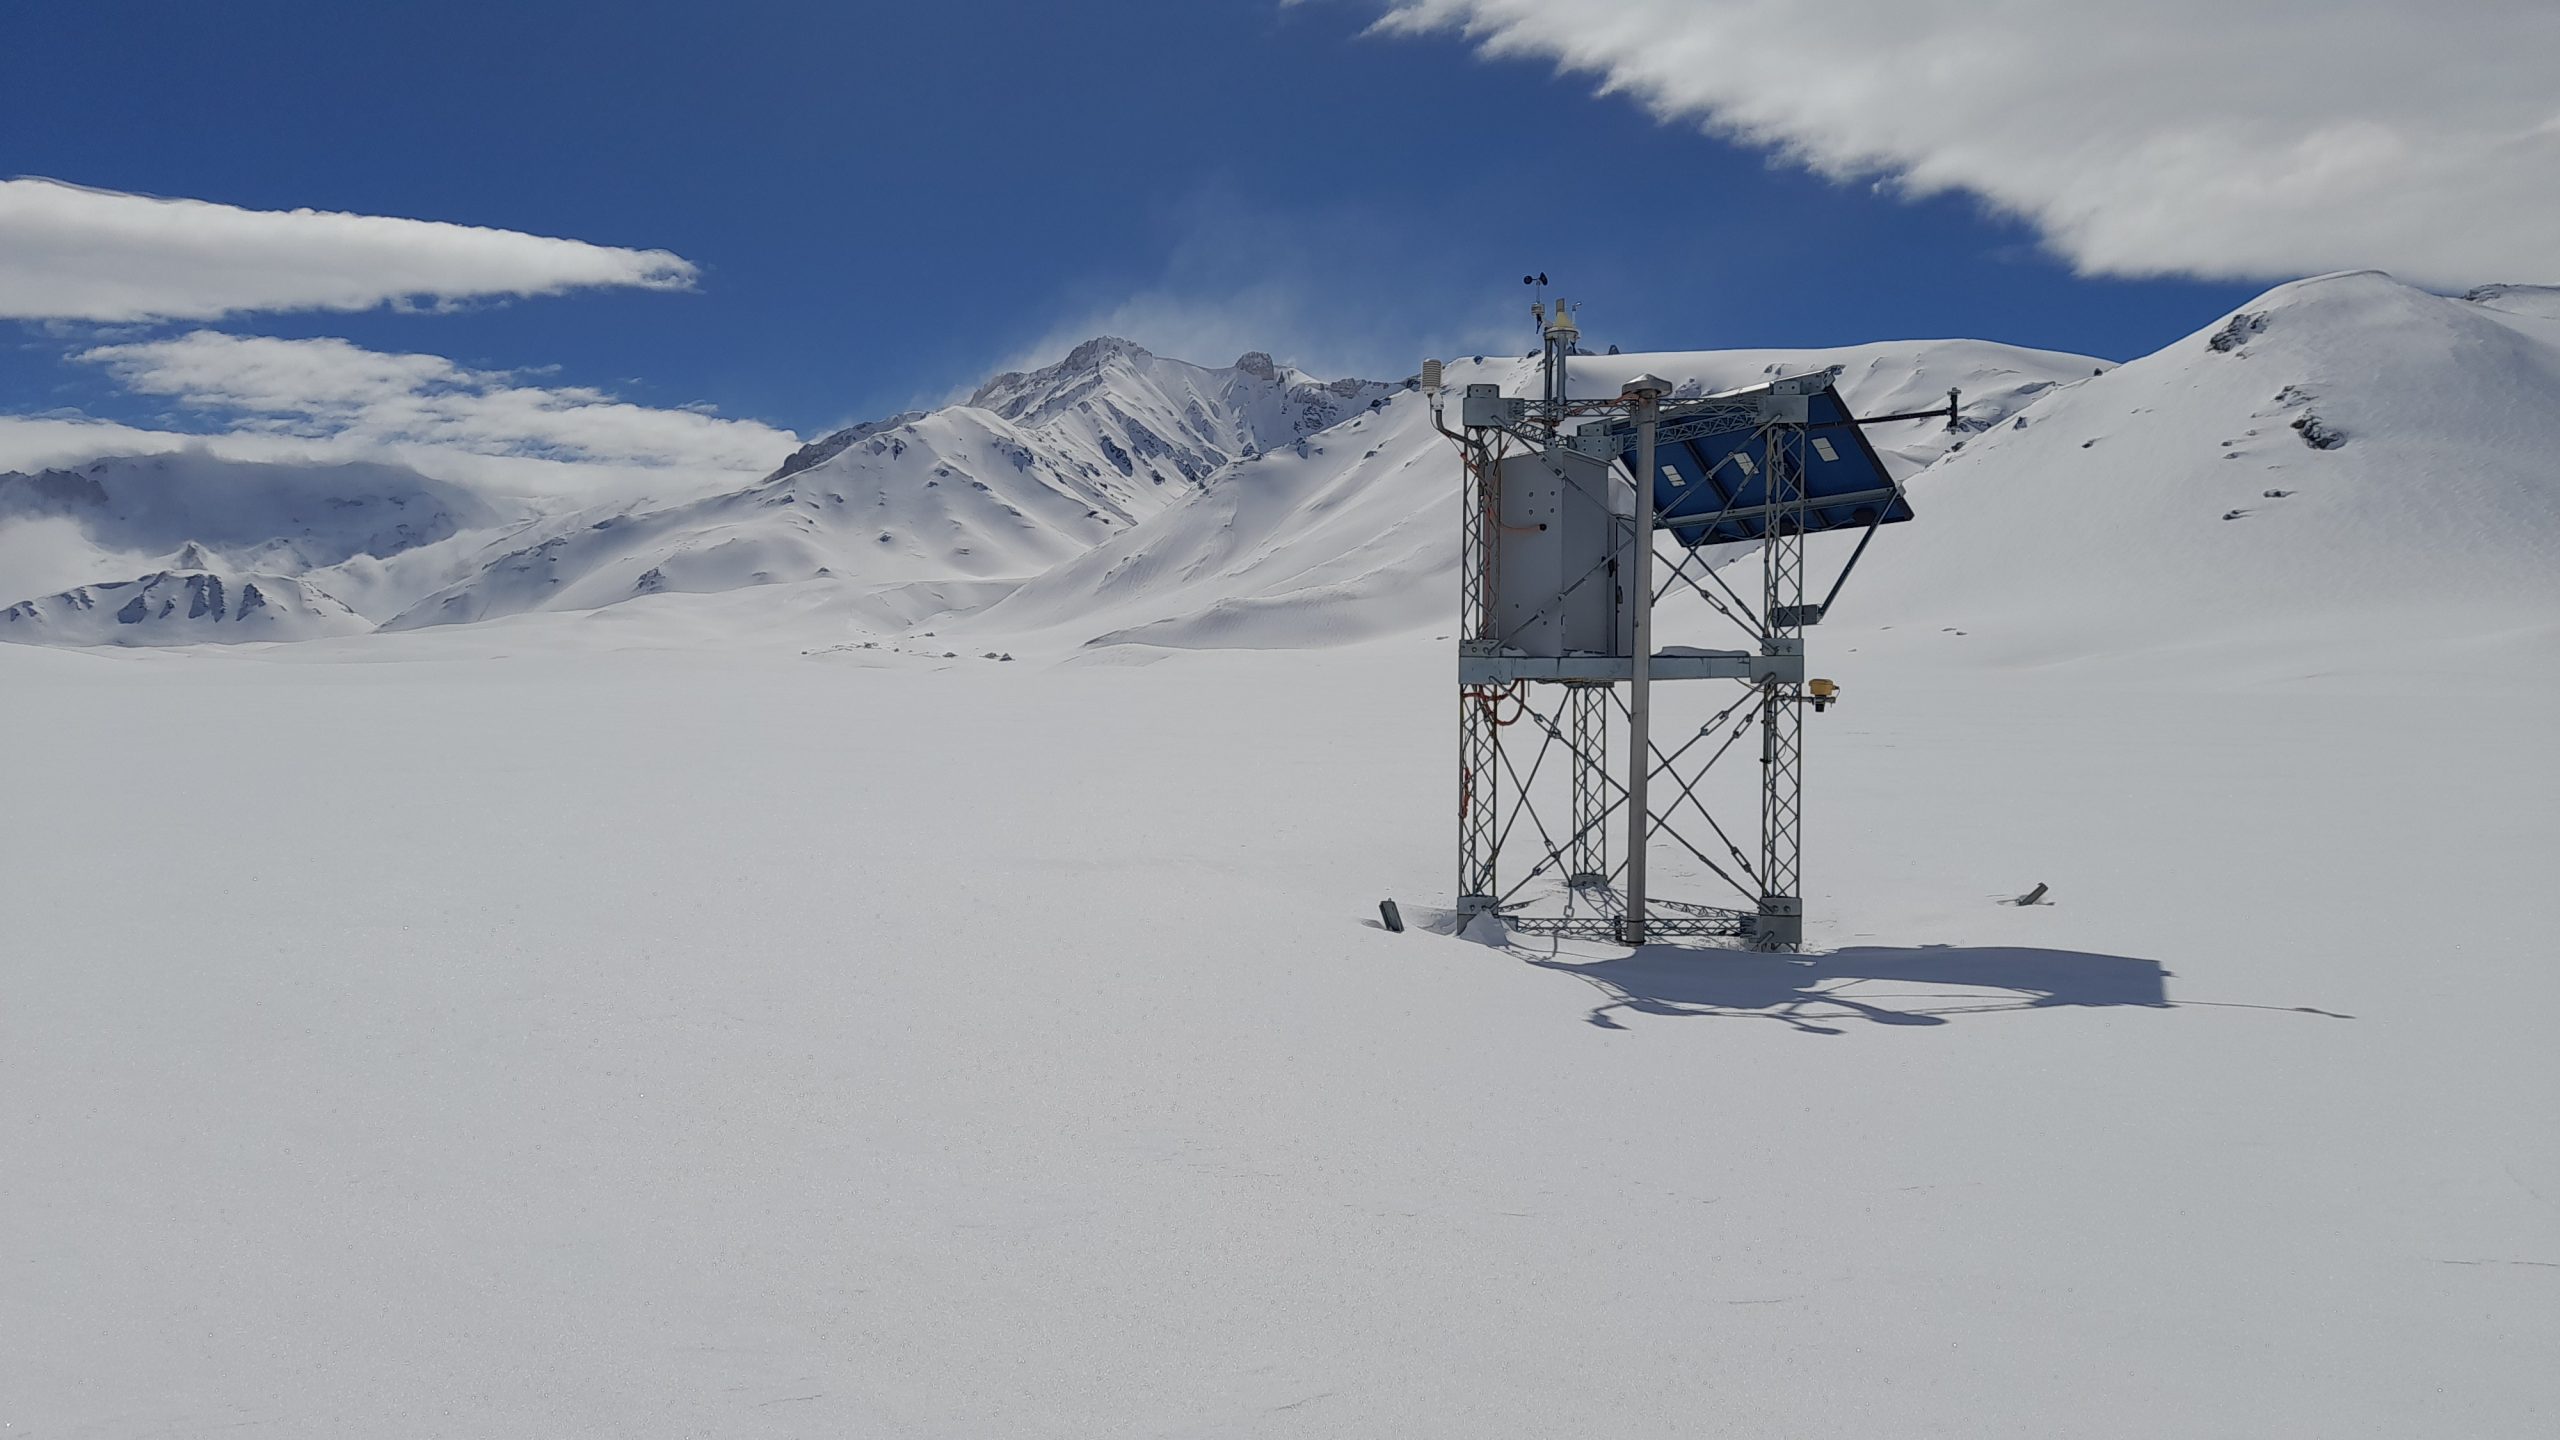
<point x="1120" y="497"/>
<point x="1036" y="467"/>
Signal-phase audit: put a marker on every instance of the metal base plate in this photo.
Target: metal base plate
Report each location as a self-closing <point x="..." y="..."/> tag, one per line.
<point x="1616" y="669"/>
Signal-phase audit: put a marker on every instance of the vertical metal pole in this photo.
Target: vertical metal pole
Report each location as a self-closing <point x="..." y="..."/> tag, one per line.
<point x="1640" y="662"/>
<point x="1478" y="769"/>
<point x="1587" y="706"/>
<point x="1780" y="923"/>
<point x="1558" y="336"/>
<point x="1478" y="763"/>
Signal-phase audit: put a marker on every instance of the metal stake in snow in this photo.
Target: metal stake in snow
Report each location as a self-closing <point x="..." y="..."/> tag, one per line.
<point x="1564" y="501"/>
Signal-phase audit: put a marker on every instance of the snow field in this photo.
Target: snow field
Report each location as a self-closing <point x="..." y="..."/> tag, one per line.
<point x="761" y="1042"/>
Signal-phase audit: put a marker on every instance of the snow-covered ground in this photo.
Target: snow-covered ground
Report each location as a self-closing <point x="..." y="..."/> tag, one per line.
<point x="761" y="1012"/>
<point x="587" y="1042"/>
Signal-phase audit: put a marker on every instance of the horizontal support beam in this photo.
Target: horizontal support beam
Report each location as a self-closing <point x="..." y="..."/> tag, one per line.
<point x="1610" y="669"/>
<point x="1723" y="925"/>
<point x="1712" y="420"/>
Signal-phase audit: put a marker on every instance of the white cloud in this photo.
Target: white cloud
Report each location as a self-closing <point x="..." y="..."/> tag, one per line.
<point x="69" y="253"/>
<point x="331" y="397"/>
<point x="513" y="481"/>
<point x="2224" y="138"/>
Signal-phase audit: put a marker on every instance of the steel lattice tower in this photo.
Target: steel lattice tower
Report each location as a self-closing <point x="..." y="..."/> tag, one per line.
<point x="1535" y="672"/>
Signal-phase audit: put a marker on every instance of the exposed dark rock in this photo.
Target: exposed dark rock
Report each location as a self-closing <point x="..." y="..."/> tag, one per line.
<point x="2238" y="331"/>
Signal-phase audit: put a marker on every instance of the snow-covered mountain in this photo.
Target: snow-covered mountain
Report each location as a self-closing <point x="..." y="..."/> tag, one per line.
<point x="2345" y="453"/>
<point x="1151" y="420"/>
<point x="259" y="515"/>
<point x="1033" y="470"/>
<point x="189" y="547"/>
<point x="2342" y="447"/>
<point x="2537" y="301"/>
<point x="182" y="607"/>
<point x="1114" y="408"/>
<point x="1353" y="532"/>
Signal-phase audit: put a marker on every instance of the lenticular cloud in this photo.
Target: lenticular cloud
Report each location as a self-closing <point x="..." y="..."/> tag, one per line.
<point x="70" y="253"/>
<point x="2200" y="137"/>
<point x="334" y="390"/>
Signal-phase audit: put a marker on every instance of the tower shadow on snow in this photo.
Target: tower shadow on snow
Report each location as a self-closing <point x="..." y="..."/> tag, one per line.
<point x="1877" y="985"/>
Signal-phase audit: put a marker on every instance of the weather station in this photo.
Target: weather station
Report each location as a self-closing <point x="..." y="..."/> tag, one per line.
<point x="1567" y="497"/>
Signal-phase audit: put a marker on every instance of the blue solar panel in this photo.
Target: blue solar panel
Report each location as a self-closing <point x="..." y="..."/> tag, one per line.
<point x="1713" y="486"/>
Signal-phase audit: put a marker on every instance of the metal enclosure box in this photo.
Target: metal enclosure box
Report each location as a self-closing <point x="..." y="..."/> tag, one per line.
<point x="1565" y="518"/>
<point x="1487" y="405"/>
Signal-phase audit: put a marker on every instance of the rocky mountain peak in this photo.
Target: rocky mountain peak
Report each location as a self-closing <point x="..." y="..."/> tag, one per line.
<point x="820" y="451"/>
<point x="50" y="491"/>
<point x="1093" y="352"/>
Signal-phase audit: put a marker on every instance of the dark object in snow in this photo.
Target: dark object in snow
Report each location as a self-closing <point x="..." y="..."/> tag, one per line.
<point x="2276" y="494"/>
<point x="2318" y="433"/>
<point x="2233" y="514"/>
<point x="1393" y="917"/>
<point x="2032" y="897"/>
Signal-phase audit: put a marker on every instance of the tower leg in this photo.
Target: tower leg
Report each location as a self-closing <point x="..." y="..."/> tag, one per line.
<point x="1478" y="765"/>
<point x="1779" y="925"/>
<point x="1587" y="730"/>
<point x="1479" y="739"/>
<point x="1631" y="927"/>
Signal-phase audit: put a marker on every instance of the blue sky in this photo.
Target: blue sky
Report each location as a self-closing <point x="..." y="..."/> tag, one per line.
<point x="887" y="202"/>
